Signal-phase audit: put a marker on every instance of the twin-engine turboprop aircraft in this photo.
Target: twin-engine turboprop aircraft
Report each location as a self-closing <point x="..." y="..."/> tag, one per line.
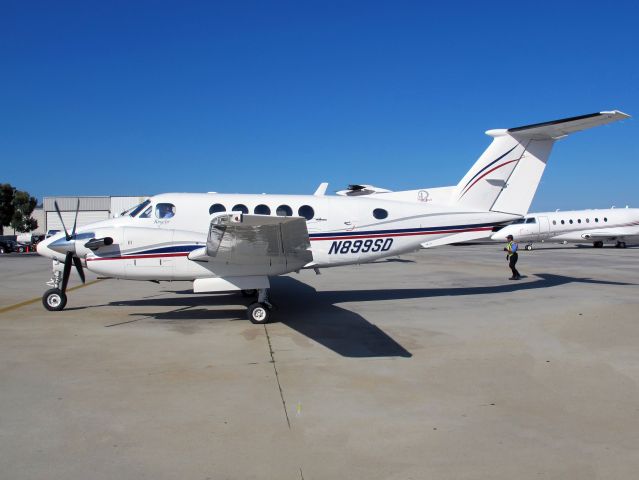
<point x="225" y="242"/>
<point x="619" y="225"/>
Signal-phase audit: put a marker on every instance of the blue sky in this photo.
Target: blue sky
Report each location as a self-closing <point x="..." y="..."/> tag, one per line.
<point x="129" y="98"/>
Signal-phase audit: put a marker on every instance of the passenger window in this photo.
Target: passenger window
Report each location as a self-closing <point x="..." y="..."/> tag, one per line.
<point x="165" y="210"/>
<point x="262" y="210"/>
<point x="562" y="222"/>
<point x="284" y="211"/>
<point x="605" y="219"/>
<point x="587" y="220"/>
<point x="306" y="211"/>
<point x="380" y="213"/>
<point x="217" y="208"/>
<point x="531" y="220"/>
<point x="554" y="222"/>
<point x="240" y="208"/>
<point x="146" y="213"/>
<point x="570" y="222"/>
<point x="596" y="220"/>
<point x="579" y="221"/>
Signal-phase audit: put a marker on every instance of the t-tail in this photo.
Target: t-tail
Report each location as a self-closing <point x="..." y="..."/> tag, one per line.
<point x="505" y="177"/>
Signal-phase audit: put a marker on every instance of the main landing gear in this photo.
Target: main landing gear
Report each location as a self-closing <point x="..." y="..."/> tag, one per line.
<point x="260" y="311"/>
<point x="529" y="247"/>
<point x="620" y="245"/>
<point x="598" y="244"/>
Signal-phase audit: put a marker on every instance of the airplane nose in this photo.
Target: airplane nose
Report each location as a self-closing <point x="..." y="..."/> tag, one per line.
<point x="44" y="250"/>
<point x="498" y="236"/>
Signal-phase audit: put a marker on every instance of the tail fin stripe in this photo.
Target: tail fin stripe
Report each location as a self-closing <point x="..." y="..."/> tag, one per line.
<point x="489" y="165"/>
<point x="489" y="171"/>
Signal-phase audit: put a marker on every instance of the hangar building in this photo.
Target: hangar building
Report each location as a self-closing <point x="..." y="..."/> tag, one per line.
<point x="92" y="209"/>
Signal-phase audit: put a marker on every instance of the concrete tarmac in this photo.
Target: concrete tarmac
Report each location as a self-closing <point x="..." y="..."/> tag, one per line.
<point x="433" y="365"/>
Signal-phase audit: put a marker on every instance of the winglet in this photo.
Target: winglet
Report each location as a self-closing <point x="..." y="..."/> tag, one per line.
<point x="321" y="190"/>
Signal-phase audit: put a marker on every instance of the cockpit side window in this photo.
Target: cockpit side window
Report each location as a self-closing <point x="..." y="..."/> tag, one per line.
<point x="519" y="221"/>
<point x="531" y="220"/>
<point x="165" y="210"/>
<point x="146" y="213"/>
<point x="140" y="207"/>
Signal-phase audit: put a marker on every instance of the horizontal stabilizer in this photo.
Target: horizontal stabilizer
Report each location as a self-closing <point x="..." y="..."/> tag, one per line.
<point x="560" y="128"/>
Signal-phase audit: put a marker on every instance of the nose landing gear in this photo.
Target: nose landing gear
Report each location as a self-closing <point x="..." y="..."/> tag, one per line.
<point x="54" y="299"/>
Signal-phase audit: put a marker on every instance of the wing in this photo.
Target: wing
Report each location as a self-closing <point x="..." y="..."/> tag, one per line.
<point x="240" y="244"/>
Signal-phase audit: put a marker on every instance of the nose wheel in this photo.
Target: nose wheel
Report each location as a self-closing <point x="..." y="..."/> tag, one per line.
<point x="54" y="300"/>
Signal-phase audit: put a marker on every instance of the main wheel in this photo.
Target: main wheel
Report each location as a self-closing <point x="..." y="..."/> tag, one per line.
<point x="529" y="247"/>
<point x="258" y="313"/>
<point x="54" y="299"/>
<point x="1" y="249"/>
<point x="20" y="249"/>
<point x="249" y="293"/>
<point x="622" y="244"/>
<point x="598" y="244"/>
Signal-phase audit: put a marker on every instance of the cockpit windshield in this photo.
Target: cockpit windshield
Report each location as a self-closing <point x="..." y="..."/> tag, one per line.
<point x="140" y="207"/>
<point x="531" y="220"/>
<point x="517" y="222"/>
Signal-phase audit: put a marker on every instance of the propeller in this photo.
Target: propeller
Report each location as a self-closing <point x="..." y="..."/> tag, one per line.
<point x="70" y="258"/>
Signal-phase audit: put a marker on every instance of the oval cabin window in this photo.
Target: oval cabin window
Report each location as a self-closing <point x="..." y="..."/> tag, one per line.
<point x="380" y="213"/>
<point x="217" y="208"/>
<point x="240" y="208"/>
<point x="306" y="211"/>
<point x="262" y="210"/>
<point x="284" y="211"/>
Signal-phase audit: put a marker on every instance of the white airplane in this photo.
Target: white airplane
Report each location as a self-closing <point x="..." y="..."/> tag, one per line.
<point x="618" y="225"/>
<point x="226" y="242"/>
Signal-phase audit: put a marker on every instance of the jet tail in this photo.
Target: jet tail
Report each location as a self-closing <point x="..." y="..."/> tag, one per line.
<point x="506" y="176"/>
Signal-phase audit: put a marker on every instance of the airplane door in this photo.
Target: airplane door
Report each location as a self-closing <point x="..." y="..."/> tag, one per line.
<point x="544" y="228"/>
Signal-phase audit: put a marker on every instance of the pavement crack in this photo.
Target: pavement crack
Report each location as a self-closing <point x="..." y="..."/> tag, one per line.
<point x="277" y="377"/>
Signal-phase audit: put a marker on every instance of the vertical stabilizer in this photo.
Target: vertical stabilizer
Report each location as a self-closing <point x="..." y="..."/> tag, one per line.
<point x="506" y="176"/>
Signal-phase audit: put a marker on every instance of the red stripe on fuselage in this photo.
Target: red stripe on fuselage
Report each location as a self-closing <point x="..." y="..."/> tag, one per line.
<point x="408" y="234"/>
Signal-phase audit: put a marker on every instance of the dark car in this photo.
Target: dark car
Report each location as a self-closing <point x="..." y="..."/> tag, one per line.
<point x="8" y="246"/>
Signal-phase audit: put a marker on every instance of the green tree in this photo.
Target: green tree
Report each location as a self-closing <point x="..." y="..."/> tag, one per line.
<point x="23" y="205"/>
<point x="6" y="205"/>
<point x="16" y="208"/>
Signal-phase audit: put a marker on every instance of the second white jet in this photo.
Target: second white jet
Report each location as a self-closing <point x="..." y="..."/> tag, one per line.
<point x="619" y="225"/>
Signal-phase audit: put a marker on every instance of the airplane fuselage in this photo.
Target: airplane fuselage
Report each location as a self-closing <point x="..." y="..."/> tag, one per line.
<point x="575" y="226"/>
<point x="342" y="231"/>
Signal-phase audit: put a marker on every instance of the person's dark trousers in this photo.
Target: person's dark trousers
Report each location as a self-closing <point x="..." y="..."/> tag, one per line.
<point x="512" y="262"/>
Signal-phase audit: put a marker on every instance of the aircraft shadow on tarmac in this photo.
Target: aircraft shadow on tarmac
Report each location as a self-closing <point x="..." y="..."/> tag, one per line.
<point x="316" y="314"/>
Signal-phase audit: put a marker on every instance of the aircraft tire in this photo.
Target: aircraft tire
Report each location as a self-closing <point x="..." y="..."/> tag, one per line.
<point x="598" y="244"/>
<point x="54" y="300"/>
<point x="529" y="247"/>
<point x="249" y="293"/>
<point x="258" y="313"/>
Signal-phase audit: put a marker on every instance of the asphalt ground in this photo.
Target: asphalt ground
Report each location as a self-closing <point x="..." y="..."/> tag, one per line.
<point x="433" y="365"/>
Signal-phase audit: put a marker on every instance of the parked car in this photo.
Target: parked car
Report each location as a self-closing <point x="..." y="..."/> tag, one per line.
<point x="8" y="246"/>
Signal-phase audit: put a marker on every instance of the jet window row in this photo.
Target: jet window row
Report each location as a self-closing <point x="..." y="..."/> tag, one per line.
<point x="305" y="211"/>
<point x="563" y="222"/>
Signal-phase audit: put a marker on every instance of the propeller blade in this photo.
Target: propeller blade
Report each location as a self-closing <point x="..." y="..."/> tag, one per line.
<point x="78" y="266"/>
<point x="75" y="222"/>
<point x="57" y="209"/>
<point x="67" y="270"/>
